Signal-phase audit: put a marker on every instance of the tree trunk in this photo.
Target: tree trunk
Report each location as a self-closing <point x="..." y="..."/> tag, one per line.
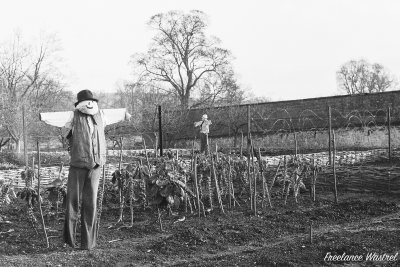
<point x="4" y="142"/>
<point x="18" y="145"/>
<point x="185" y="101"/>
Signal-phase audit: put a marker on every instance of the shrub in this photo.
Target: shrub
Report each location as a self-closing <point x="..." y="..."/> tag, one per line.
<point x="11" y="160"/>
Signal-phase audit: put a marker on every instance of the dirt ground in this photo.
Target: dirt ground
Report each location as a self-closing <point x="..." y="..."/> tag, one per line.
<point x="359" y="224"/>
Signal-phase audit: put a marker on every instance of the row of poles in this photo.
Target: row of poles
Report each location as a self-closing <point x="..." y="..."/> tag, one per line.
<point x="160" y="132"/>
<point x="332" y="145"/>
<point x="331" y="136"/>
<point x="330" y="132"/>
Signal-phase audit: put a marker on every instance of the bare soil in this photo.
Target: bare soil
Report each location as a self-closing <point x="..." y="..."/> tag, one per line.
<point x="359" y="224"/>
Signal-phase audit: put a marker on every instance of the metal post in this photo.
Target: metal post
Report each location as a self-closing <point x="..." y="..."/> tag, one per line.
<point x="160" y="131"/>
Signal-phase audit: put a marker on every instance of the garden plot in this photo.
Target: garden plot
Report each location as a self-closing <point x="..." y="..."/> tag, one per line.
<point x="221" y="210"/>
<point x="360" y="224"/>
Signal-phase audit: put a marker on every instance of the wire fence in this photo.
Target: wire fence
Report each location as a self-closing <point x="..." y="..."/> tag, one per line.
<point x="298" y="128"/>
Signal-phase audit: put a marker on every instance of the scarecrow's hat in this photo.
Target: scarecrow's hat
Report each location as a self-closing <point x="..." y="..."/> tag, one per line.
<point x="85" y="95"/>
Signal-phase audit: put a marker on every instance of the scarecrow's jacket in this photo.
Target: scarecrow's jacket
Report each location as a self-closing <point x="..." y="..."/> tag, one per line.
<point x="88" y="144"/>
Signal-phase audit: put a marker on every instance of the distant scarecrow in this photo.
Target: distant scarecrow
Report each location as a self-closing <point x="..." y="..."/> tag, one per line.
<point x="204" y="125"/>
<point x="85" y="127"/>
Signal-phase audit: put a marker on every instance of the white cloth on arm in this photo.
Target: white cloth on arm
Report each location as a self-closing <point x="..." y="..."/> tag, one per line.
<point x="64" y="118"/>
<point x="205" y="126"/>
<point x="58" y="119"/>
<point x="111" y="116"/>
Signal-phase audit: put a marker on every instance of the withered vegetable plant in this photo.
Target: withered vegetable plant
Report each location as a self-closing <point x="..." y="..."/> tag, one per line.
<point x="130" y="183"/>
<point x="29" y="194"/>
<point x="7" y="193"/>
<point x="295" y="172"/>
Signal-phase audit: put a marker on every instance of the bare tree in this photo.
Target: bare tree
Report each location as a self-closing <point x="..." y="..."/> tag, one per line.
<point x="218" y="90"/>
<point x="27" y="78"/>
<point x="359" y="76"/>
<point x="181" y="56"/>
<point x="142" y="101"/>
<point x="232" y="118"/>
<point x="379" y="80"/>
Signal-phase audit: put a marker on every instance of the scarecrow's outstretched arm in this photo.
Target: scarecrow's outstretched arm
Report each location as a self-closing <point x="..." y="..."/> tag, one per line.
<point x="58" y="119"/>
<point x="64" y="118"/>
<point x="112" y="116"/>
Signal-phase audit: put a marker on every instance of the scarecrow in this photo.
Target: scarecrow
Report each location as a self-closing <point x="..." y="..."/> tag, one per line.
<point x="204" y="125"/>
<point x="85" y="127"/>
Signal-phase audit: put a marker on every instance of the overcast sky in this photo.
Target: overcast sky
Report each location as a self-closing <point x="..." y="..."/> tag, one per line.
<point x="283" y="49"/>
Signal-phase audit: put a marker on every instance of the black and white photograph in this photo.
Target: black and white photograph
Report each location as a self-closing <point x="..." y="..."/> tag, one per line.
<point x="200" y="133"/>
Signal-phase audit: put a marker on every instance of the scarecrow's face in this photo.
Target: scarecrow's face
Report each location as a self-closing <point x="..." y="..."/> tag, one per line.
<point x="89" y="107"/>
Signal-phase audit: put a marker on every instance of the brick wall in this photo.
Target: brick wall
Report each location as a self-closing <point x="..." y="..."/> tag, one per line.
<point x="367" y="110"/>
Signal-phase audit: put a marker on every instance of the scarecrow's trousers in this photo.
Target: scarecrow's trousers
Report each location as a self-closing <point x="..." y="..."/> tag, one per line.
<point x="82" y="187"/>
<point x="204" y="143"/>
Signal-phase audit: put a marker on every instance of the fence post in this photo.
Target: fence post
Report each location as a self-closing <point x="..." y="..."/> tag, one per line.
<point x="248" y="126"/>
<point x="334" y="166"/>
<point x="120" y="153"/>
<point x="39" y="198"/>
<point x="389" y="133"/>
<point x="248" y="156"/>
<point x="155" y="144"/>
<point x="145" y="152"/>
<point x="196" y="185"/>
<point x="254" y="180"/>
<point x="160" y="131"/>
<point x="25" y="137"/>
<point x="241" y="144"/>
<point x="330" y="134"/>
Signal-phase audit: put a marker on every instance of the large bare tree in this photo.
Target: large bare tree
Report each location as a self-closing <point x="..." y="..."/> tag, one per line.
<point x="359" y="76"/>
<point x="181" y="57"/>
